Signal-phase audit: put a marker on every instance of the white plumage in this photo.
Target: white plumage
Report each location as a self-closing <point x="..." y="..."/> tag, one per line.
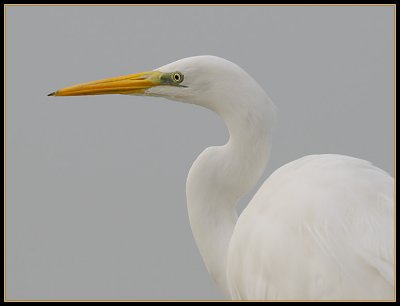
<point x="320" y="227"/>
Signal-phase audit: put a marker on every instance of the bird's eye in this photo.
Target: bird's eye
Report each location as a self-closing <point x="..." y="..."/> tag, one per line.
<point x="177" y="77"/>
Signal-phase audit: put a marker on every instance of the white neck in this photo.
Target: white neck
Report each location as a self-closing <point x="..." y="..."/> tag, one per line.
<point x="220" y="176"/>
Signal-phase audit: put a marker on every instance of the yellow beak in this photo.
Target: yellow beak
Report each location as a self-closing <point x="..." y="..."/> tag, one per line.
<point x="127" y="84"/>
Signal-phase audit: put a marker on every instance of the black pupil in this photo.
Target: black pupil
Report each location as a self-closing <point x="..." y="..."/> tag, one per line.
<point x="176" y="76"/>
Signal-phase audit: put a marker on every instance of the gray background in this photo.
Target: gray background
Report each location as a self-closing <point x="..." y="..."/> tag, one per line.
<point x="96" y="185"/>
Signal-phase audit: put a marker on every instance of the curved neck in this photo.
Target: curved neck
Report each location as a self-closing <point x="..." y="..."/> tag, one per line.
<point x="220" y="176"/>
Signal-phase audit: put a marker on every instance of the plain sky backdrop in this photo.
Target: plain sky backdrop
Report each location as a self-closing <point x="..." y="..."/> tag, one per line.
<point x="96" y="205"/>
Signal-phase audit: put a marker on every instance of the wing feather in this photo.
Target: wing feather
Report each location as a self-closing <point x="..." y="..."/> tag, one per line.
<point x="321" y="227"/>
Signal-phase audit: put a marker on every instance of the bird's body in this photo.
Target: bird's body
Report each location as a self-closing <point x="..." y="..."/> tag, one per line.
<point x="320" y="227"/>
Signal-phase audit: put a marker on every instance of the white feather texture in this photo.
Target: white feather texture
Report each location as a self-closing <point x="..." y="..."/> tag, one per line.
<point x="320" y="227"/>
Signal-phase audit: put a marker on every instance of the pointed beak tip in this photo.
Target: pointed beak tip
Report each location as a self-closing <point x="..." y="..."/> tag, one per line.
<point x="126" y="84"/>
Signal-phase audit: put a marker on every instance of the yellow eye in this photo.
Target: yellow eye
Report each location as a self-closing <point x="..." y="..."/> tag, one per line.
<point x="177" y="77"/>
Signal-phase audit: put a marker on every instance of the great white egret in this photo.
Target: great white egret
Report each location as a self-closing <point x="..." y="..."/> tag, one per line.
<point x="320" y="227"/>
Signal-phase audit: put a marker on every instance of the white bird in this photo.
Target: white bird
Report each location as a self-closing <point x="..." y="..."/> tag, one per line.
<point x="320" y="227"/>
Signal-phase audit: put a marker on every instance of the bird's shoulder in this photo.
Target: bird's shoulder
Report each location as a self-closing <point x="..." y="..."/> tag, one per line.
<point x="324" y="189"/>
<point x="316" y="179"/>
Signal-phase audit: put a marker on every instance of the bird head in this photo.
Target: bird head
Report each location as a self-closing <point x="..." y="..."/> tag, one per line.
<point x="206" y="80"/>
